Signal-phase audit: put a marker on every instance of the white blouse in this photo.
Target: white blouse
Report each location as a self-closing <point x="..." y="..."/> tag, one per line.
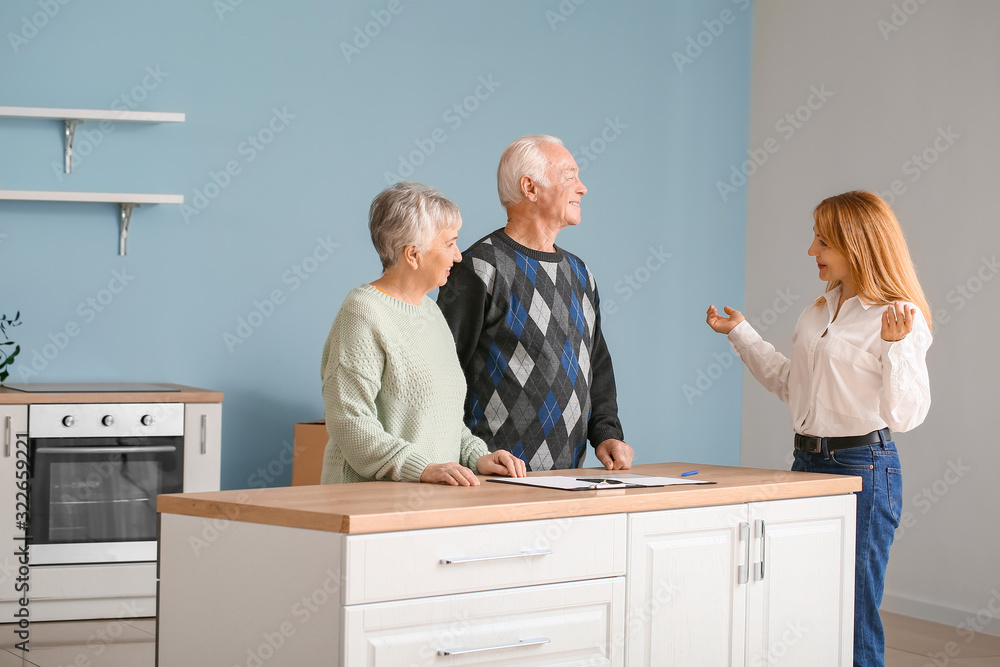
<point x="850" y="381"/>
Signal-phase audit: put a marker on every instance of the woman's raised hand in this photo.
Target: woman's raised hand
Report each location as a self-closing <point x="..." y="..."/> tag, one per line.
<point x="501" y="462"/>
<point x="897" y="321"/>
<point x="724" y="325"/>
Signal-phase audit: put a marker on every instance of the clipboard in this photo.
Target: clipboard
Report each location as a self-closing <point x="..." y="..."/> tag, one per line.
<point x="598" y="482"/>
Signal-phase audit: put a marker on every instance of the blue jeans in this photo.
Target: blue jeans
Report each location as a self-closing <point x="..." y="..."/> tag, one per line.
<point x="879" y="503"/>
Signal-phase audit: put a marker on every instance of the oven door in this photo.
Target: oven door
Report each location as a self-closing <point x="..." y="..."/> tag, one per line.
<point x="93" y="500"/>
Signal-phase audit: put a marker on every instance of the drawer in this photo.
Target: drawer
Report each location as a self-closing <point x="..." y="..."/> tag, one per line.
<point x="576" y="623"/>
<point x="441" y="561"/>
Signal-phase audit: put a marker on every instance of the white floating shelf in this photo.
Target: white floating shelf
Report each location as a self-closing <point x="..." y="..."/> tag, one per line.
<point x="113" y="115"/>
<point x="105" y="197"/>
<point x="73" y="117"/>
<point x="126" y="202"/>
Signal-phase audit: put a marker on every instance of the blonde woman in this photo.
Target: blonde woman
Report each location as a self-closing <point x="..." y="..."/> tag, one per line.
<point x="857" y="370"/>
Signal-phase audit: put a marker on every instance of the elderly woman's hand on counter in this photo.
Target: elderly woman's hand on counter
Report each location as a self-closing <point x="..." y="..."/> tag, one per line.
<point x="500" y="462"/>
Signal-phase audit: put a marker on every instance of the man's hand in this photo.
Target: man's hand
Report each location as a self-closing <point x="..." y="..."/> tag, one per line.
<point x="897" y="321"/>
<point x="449" y="473"/>
<point x="501" y="462"/>
<point x="615" y="454"/>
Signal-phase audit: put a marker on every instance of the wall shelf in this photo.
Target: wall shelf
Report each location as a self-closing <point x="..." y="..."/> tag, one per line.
<point x="73" y="117"/>
<point x="127" y="202"/>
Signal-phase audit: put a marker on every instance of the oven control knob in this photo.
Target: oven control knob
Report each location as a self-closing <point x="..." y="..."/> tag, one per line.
<point x="108" y="420"/>
<point x="68" y="420"/>
<point x="146" y="420"/>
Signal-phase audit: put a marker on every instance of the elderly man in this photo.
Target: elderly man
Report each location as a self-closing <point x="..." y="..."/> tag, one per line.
<point x="526" y="319"/>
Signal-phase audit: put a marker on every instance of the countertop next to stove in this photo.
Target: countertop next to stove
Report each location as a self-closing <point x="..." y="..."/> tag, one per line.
<point x="181" y="394"/>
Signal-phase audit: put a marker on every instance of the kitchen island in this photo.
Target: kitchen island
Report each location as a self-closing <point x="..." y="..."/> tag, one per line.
<point x="756" y="568"/>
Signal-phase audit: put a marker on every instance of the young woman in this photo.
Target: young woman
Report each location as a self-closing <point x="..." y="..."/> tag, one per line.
<point x="857" y="370"/>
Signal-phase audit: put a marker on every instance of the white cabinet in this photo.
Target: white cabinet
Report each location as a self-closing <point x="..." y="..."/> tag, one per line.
<point x="202" y="446"/>
<point x="559" y="624"/>
<point x="749" y="584"/>
<point x="13" y="420"/>
<point x="764" y="583"/>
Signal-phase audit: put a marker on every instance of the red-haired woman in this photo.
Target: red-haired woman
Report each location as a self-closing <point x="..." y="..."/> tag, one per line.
<point x="857" y="370"/>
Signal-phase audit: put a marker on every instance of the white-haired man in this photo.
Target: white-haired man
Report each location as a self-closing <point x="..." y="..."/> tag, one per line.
<point x="526" y="319"/>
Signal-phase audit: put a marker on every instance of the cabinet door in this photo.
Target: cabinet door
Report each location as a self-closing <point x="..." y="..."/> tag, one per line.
<point x="801" y="606"/>
<point x="558" y="624"/>
<point x="202" y="447"/>
<point x="13" y="421"/>
<point x="685" y="604"/>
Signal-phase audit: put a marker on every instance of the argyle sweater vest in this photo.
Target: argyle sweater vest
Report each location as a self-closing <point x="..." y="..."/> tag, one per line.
<point x="527" y="332"/>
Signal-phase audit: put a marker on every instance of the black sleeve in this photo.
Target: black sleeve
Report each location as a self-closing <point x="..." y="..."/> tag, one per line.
<point x="603" y="422"/>
<point x="462" y="300"/>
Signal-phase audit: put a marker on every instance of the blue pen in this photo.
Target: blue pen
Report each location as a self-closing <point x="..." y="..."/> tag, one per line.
<point x="689" y="473"/>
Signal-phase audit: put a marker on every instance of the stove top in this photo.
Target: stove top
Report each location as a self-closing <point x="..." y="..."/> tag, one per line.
<point x="87" y="387"/>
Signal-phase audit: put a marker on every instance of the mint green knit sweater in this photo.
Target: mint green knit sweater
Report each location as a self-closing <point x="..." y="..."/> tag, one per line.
<point x="393" y="391"/>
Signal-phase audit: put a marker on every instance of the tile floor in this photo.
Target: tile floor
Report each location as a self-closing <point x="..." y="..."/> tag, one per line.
<point x="910" y="642"/>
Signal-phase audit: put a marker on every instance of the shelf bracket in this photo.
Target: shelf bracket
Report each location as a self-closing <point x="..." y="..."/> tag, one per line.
<point x="125" y="219"/>
<point x="70" y="135"/>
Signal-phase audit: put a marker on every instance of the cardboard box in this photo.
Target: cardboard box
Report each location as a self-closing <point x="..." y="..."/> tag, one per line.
<point x="308" y="444"/>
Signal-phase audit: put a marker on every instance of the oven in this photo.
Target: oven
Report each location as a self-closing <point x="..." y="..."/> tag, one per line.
<point x="95" y="472"/>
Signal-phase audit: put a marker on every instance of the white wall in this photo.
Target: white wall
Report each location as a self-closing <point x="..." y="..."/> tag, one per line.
<point x="894" y="94"/>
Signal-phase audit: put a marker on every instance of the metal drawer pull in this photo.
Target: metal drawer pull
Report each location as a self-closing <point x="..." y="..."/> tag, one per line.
<point x="463" y="651"/>
<point x="6" y="436"/>
<point x="475" y="559"/>
<point x="106" y="450"/>
<point x="204" y="434"/>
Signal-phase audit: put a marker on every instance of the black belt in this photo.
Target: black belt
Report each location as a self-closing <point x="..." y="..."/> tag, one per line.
<point x="813" y="445"/>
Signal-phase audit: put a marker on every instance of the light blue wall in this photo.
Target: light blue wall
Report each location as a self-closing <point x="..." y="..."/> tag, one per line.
<point x="192" y="274"/>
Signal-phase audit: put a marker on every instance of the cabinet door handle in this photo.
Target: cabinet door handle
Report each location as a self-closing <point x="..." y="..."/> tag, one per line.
<point x="743" y="571"/>
<point x="6" y="435"/>
<point x="204" y="434"/>
<point x="524" y="642"/>
<point x="761" y="533"/>
<point x="476" y="559"/>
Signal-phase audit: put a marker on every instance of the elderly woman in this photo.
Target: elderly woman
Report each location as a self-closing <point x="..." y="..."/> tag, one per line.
<point x="393" y="389"/>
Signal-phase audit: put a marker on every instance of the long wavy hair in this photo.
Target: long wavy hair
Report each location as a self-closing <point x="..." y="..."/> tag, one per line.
<point x="861" y="226"/>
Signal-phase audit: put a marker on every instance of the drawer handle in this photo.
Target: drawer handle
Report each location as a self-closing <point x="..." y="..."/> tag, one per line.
<point x="463" y="651"/>
<point x="476" y="559"/>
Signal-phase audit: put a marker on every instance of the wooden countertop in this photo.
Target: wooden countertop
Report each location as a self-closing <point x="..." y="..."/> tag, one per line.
<point x="374" y="507"/>
<point x="184" y="394"/>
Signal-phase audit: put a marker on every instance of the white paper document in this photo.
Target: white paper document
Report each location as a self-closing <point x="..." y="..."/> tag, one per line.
<point x="598" y="482"/>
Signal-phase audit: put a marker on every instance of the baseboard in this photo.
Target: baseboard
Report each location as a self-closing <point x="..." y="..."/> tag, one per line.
<point x="985" y="620"/>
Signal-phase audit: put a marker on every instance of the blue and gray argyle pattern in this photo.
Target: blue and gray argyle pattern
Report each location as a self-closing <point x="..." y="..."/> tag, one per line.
<point x="530" y="391"/>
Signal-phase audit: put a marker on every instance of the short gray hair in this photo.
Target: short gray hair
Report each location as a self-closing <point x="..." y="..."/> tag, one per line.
<point x="408" y="214"/>
<point x="522" y="158"/>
